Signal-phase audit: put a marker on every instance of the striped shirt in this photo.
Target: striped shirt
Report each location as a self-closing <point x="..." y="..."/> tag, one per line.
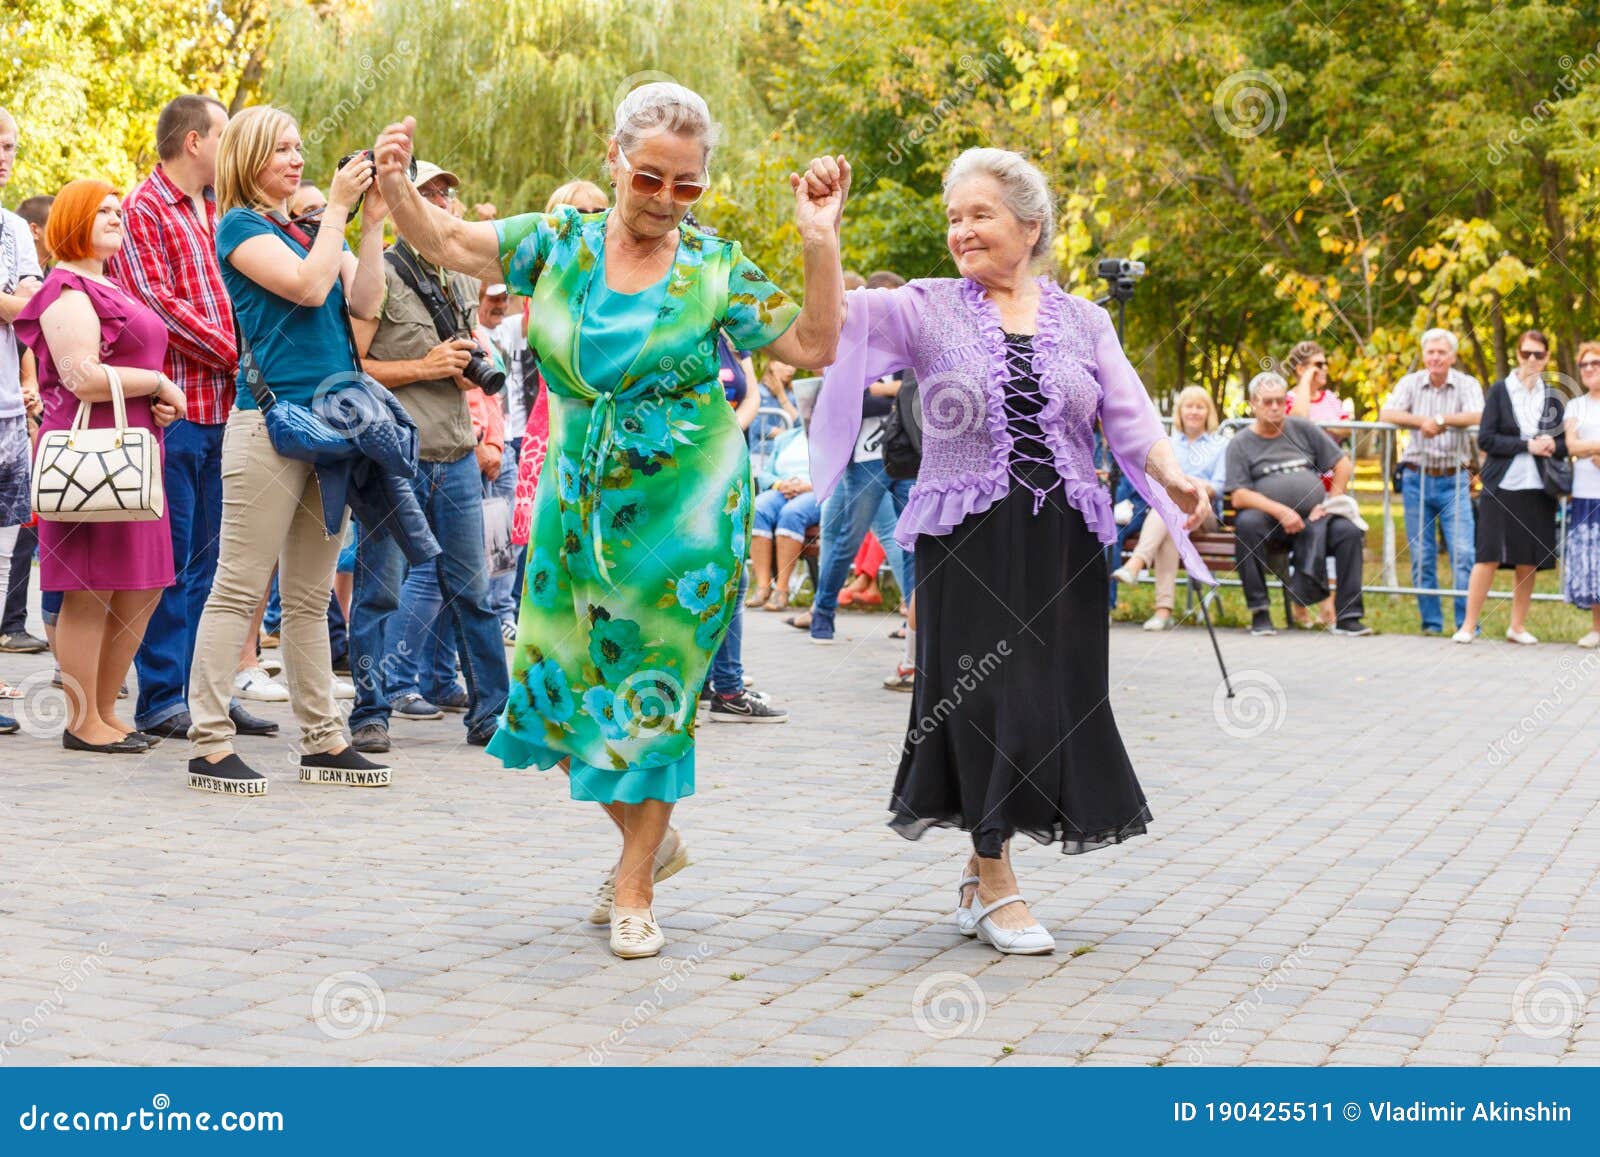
<point x="1415" y="395"/>
<point x="168" y="261"/>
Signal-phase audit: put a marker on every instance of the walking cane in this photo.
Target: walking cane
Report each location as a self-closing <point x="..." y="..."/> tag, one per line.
<point x="1205" y="613"/>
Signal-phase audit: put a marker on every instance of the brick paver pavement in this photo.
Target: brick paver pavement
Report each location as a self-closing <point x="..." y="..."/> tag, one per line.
<point x="1385" y="850"/>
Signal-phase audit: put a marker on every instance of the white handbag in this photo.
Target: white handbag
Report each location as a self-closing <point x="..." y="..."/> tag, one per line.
<point x="104" y="474"/>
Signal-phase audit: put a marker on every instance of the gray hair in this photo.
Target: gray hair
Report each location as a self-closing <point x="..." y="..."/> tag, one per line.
<point x="1264" y="379"/>
<point x="1027" y="194"/>
<point x="1443" y="335"/>
<point x="664" y="107"/>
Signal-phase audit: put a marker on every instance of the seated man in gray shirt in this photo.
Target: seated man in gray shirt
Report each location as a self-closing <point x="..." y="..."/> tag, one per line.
<point x="1274" y="481"/>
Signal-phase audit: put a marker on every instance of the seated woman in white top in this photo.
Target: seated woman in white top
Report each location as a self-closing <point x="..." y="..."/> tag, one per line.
<point x="1199" y="448"/>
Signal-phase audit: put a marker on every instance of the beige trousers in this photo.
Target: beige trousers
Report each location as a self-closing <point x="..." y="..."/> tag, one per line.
<point x="1156" y="549"/>
<point x="271" y="507"/>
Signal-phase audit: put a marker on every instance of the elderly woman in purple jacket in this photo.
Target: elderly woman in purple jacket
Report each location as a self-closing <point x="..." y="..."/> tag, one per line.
<point x="1011" y="725"/>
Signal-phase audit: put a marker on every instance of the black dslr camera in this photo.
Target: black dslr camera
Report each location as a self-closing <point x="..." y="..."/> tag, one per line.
<point x="411" y="171"/>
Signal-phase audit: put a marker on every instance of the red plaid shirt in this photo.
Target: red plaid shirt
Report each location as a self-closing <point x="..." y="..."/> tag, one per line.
<point x="169" y="261"/>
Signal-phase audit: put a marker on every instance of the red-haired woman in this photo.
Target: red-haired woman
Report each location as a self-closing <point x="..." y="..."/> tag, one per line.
<point x="111" y="573"/>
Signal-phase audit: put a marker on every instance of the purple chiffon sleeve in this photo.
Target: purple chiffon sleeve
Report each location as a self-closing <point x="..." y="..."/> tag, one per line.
<point x="880" y="326"/>
<point x="1132" y="427"/>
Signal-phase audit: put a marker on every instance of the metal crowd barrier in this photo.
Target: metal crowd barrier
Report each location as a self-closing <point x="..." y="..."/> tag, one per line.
<point x="1387" y="457"/>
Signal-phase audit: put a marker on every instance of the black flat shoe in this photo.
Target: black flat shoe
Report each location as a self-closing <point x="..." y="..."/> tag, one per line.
<point x="245" y="723"/>
<point x="173" y="727"/>
<point x="150" y="738"/>
<point x="129" y="744"/>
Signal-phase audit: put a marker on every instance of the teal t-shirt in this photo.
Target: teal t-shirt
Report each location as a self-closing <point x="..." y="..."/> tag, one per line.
<point x="615" y="326"/>
<point x="297" y="347"/>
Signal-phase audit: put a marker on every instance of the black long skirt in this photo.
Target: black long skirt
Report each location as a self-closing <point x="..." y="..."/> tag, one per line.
<point x="1011" y="726"/>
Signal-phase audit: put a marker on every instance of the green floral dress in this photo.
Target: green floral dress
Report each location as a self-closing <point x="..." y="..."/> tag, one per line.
<point x="641" y="518"/>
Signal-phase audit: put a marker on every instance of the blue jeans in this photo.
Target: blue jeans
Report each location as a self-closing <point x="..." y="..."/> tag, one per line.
<point x="451" y="495"/>
<point x="790" y="517"/>
<point x="727" y="666"/>
<point x="192" y="475"/>
<point x="424" y="639"/>
<point x="1434" y="506"/>
<point x="503" y="589"/>
<point x="866" y="498"/>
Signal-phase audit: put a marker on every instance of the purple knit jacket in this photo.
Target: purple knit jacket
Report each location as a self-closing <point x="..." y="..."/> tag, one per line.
<point x="949" y="333"/>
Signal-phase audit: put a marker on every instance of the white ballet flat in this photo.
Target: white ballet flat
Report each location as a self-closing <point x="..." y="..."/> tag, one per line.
<point x="1590" y="641"/>
<point x="1034" y="940"/>
<point x="1123" y="575"/>
<point x="966" y="914"/>
<point x="1462" y="636"/>
<point x="1520" y="637"/>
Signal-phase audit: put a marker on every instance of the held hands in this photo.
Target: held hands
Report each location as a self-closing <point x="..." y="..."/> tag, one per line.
<point x="1543" y="446"/>
<point x="1431" y="427"/>
<point x="819" y="196"/>
<point x="393" y="153"/>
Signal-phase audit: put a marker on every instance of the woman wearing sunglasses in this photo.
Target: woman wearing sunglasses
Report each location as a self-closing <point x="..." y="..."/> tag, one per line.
<point x="641" y="520"/>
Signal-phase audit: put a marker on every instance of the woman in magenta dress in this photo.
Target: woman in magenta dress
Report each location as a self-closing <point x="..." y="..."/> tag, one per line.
<point x="110" y="573"/>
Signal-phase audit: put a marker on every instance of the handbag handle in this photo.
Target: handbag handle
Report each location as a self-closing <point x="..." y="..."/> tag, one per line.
<point x="119" y="407"/>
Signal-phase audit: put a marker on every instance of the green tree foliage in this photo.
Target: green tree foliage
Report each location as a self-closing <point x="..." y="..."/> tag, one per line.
<point x="86" y="78"/>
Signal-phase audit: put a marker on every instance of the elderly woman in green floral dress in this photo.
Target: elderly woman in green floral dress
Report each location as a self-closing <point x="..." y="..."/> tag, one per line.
<point x="642" y="517"/>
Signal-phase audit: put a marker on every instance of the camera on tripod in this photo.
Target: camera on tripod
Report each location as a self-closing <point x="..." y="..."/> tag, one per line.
<point x="1122" y="274"/>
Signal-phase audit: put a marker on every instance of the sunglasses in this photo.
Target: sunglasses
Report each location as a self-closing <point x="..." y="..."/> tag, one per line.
<point x="649" y="184"/>
<point x="1591" y="364"/>
<point x="1532" y="355"/>
<point x="1322" y="365"/>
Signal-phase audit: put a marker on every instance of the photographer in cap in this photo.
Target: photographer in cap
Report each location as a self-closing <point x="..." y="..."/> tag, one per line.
<point x="421" y="347"/>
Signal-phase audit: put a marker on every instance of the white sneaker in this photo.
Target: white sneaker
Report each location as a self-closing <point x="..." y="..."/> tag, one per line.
<point x="258" y="685"/>
<point x="1520" y="637"/>
<point x="1590" y="641"/>
<point x="1159" y="623"/>
<point x="635" y="935"/>
<point x="672" y="857"/>
<point x="343" y="688"/>
<point x="1123" y="575"/>
<point x="1034" y="940"/>
<point x="1462" y="636"/>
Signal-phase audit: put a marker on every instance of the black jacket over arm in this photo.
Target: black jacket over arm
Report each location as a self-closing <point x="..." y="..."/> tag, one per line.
<point x="1501" y="438"/>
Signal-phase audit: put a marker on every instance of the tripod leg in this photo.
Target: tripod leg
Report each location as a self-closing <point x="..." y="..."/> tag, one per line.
<point x="1205" y="611"/>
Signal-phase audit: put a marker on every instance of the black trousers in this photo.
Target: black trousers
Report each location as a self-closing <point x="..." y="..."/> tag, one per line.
<point x="1256" y="533"/>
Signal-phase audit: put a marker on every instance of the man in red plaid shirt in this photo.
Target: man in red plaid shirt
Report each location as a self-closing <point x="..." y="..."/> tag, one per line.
<point x="169" y="261"/>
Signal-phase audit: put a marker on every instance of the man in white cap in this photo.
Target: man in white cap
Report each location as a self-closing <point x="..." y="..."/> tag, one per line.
<point x="420" y="347"/>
